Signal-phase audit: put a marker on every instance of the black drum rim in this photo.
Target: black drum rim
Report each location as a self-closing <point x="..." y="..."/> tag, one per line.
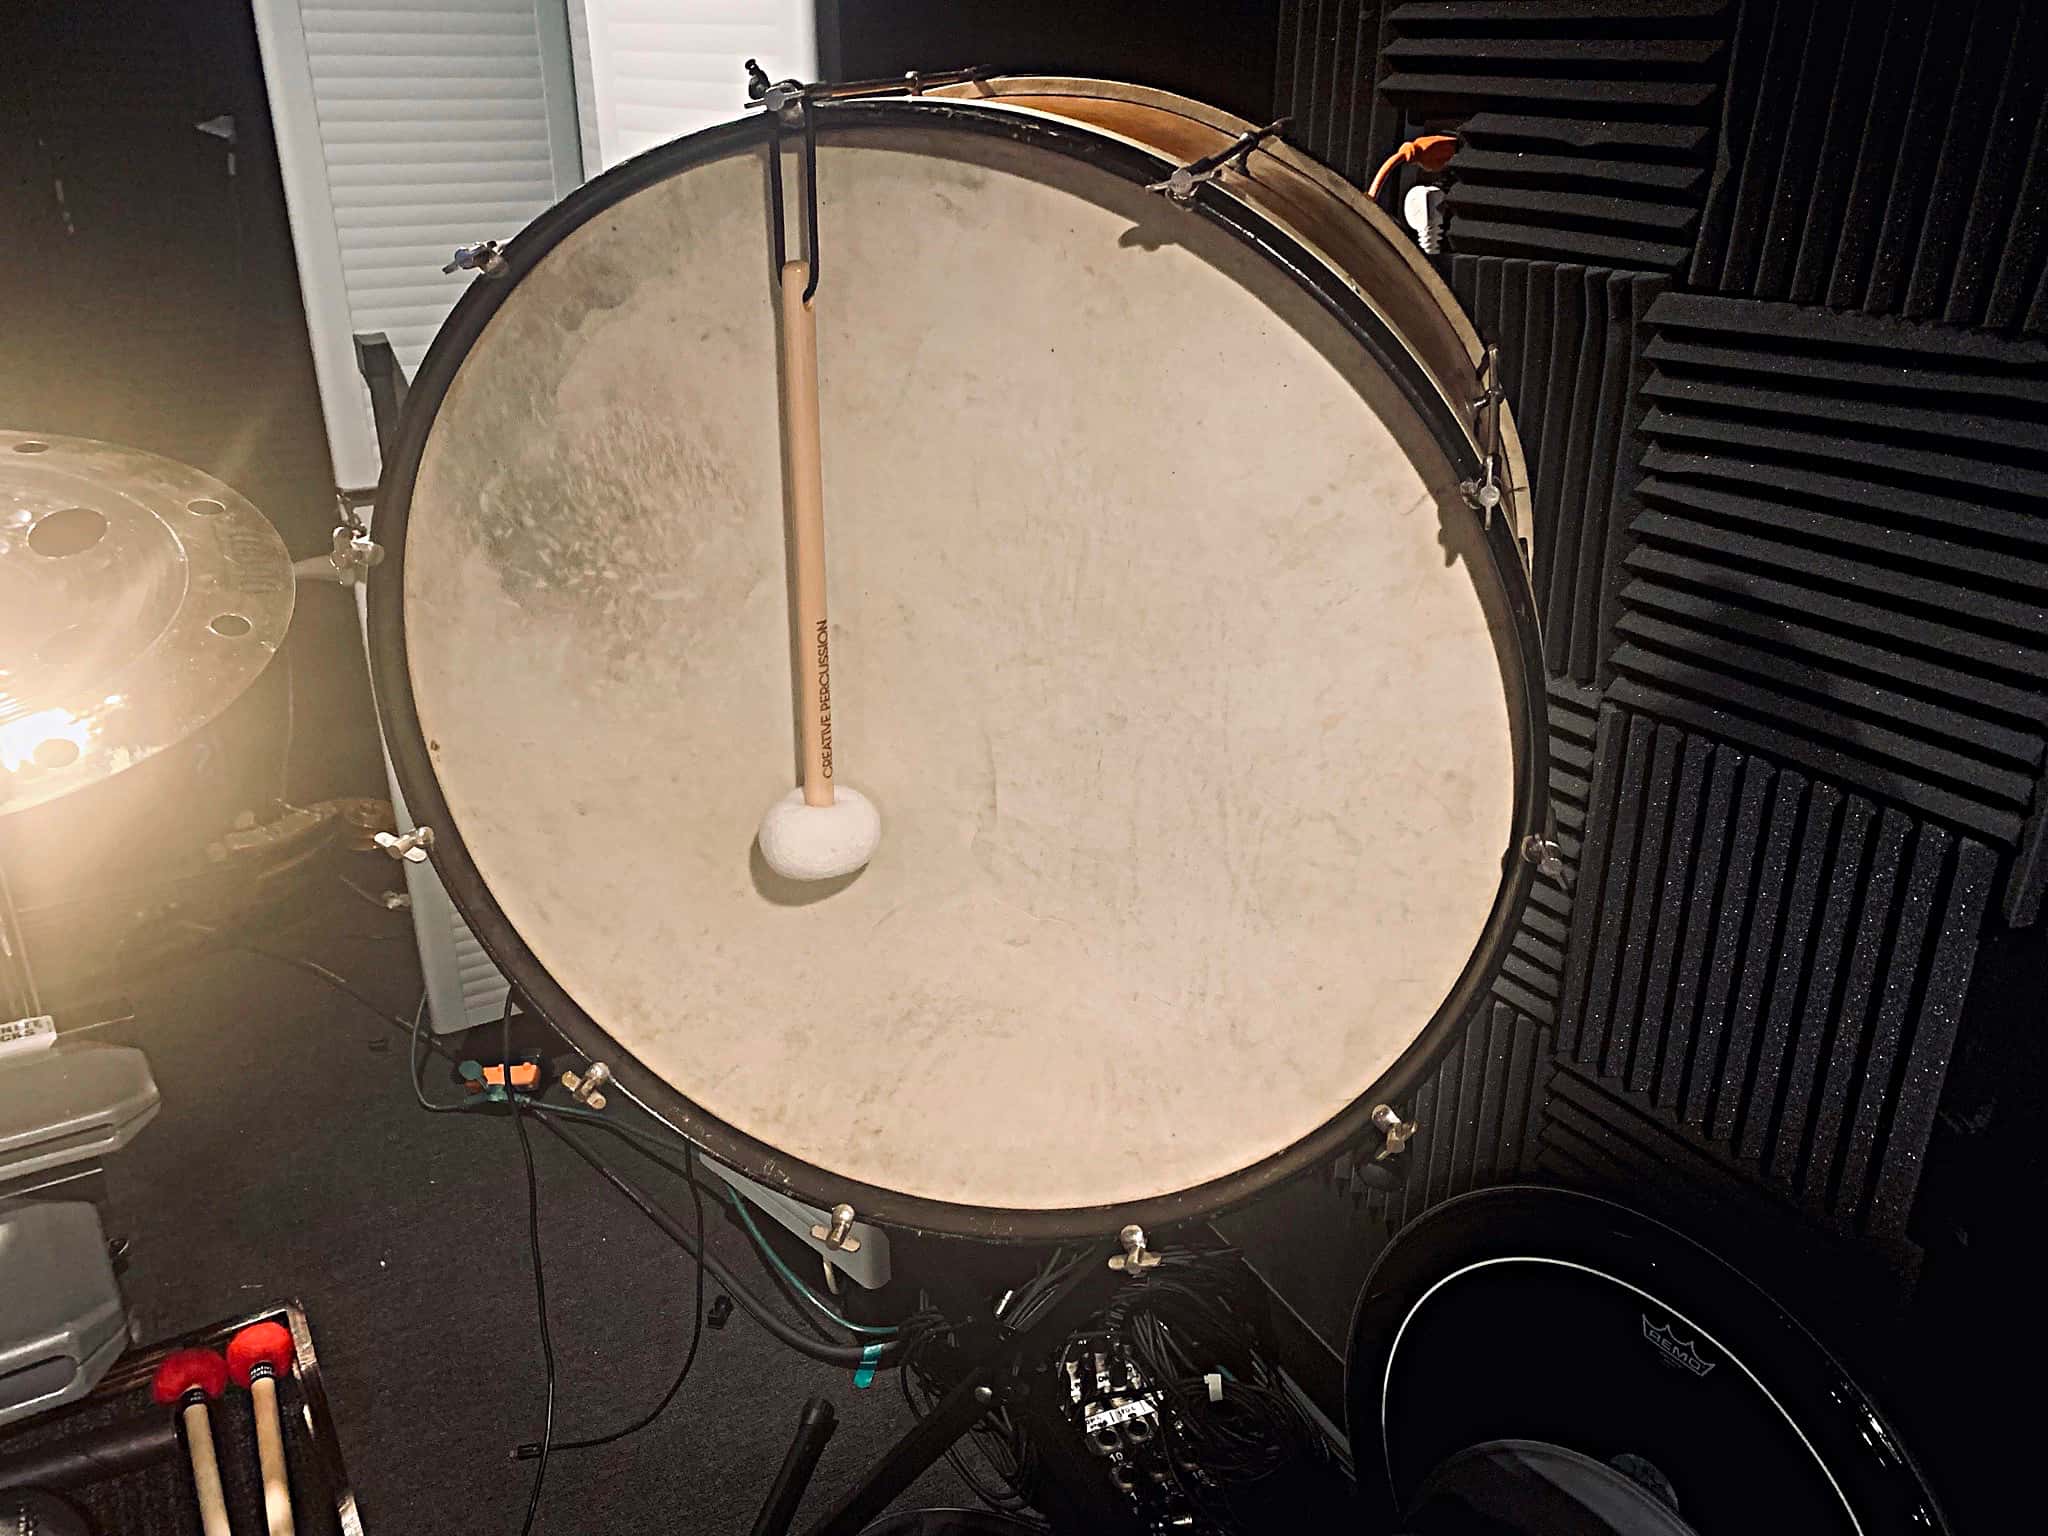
<point x="1548" y="1224"/>
<point x="412" y="767"/>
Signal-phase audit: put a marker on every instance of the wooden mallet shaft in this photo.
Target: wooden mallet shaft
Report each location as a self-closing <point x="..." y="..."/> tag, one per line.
<point x="277" y="1488"/>
<point x="213" y="1504"/>
<point x="185" y="1380"/>
<point x="255" y="1356"/>
<point x="807" y="528"/>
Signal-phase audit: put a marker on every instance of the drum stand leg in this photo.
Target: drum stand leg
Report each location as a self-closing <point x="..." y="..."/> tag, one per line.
<point x="1077" y="1299"/>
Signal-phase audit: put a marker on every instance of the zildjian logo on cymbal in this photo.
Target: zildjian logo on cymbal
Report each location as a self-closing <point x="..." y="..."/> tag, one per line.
<point x="1676" y="1351"/>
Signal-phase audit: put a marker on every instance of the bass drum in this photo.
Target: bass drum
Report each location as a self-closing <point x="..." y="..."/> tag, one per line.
<point x="1529" y="1361"/>
<point x="1203" y="712"/>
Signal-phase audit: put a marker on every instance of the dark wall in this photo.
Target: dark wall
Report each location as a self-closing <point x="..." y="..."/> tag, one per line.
<point x="1218" y="51"/>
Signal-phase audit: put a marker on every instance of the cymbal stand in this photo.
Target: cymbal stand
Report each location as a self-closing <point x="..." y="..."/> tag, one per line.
<point x="991" y="1379"/>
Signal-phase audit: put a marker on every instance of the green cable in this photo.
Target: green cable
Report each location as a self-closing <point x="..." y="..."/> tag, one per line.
<point x="782" y="1269"/>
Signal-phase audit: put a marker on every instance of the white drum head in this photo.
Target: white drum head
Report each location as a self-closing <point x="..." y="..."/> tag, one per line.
<point x="1158" y="637"/>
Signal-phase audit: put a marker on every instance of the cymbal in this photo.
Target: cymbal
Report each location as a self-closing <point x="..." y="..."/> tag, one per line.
<point x="138" y="598"/>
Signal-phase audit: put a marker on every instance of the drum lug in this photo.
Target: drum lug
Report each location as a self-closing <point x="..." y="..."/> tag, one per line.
<point x="1396" y="1131"/>
<point x="412" y="846"/>
<point x="1136" y="1256"/>
<point x="1484" y="492"/>
<point x="1180" y="186"/>
<point x="353" y="555"/>
<point x="587" y="1087"/>
<point x="1547" y="854"/>
<point x="484" y="257"/>
<point x="839" y="1235"/>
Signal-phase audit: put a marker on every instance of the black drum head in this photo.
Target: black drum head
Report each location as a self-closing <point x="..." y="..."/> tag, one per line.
<point x="1513" y="1336"/>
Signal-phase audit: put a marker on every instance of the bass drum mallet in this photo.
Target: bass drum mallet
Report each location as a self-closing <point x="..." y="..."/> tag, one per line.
<point x="255" y="1357"/>
<point x="187" y="1381"/>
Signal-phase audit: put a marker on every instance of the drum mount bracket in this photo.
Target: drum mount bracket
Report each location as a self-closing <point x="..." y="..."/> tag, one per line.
<point x="1483" y="492"/>
<point x="1180" y="186"/>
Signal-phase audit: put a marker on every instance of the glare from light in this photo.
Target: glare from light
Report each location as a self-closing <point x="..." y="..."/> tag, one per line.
<point x="19" y="739"/>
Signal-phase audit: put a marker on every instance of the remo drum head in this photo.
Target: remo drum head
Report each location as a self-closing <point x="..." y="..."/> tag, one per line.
<point x="1534" y="1360"/>
<point x="1202" y="710"/>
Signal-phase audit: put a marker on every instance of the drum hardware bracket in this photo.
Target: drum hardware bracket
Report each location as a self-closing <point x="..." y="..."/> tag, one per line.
<point x="586" y="1087"/>
<point x="1396" y="1131"/>
<point x="1180" y="186"/>
<point x="411" y="846"/>
<point x="350" y="560"/>
<point x="1136" y="1256"/>
<point x="778" y="95"/>
<point x="484" y="257"/>
<point x="839" y="1235"/>
<point x="1484" y="493"/>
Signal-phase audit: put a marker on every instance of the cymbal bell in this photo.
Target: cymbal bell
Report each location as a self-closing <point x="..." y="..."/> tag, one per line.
<point x="138" y="598"/>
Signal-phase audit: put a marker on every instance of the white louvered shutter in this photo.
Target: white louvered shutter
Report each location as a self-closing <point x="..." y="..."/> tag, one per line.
<point x="651" y="70"/>
<point x="406" y="128"/>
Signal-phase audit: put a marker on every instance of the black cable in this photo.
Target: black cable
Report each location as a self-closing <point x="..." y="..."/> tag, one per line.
<point x="419" y="1091"/>
<point x="1009" y="1467"/>
<point x="540" y="1298"/>
<point x="656" y="1148"/>
<point x="849" y="1355"/>
<point x="689" y="1355"/>
<point x="310" y="967"/>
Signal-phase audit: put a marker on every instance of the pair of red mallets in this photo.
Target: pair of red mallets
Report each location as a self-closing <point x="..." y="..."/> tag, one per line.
<point x="189" y="1379"/>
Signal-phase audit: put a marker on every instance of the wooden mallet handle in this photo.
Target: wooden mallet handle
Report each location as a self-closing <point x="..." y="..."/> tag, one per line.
<point x="277" y="1488"/>
<point x="807" y="528"/>
<point x="255" y="1356"/>
<point x="213" y="1504"/>
<point x="187" y="1378"/>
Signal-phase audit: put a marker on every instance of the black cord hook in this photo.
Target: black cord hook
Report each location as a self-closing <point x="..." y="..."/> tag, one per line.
<point x="775" y="98"/>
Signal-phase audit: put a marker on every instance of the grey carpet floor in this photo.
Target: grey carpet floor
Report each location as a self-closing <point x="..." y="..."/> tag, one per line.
<point x="290" y="1160"/>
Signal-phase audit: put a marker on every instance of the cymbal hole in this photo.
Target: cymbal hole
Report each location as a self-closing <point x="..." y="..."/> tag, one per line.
<point x="71" y="531"/>
<point x="205" y="506"/>
<point x="232" y="625"/>
<point x="57" y="752"/>
<point x="31" y="447"/>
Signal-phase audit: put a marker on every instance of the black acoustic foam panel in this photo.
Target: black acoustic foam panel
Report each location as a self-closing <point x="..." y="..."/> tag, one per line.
<point x="1770" y="966"/>
<point x="1799" y="574"/>
<point x="1570" y="348"/>
<point x="1592" y="1138"/>
<point x="1888" y="156"/>
<point x="1585" y="126"/>
<point x="1329" y="59"/>
<point x="1476" y="1111"/>
<point x="1842" y="557"/>
<point x="1479" y="1114"/>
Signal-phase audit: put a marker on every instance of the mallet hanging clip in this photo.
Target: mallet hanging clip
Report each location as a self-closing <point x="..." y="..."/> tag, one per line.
<point x="776" y="97"/>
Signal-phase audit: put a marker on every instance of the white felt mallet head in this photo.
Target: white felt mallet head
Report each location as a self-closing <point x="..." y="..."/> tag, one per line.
<point x="820" y="842"/>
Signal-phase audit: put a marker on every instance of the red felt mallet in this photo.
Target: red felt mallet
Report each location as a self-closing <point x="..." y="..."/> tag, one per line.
<point x="187" y="1380"/>
<point x="255" y="1356"/>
